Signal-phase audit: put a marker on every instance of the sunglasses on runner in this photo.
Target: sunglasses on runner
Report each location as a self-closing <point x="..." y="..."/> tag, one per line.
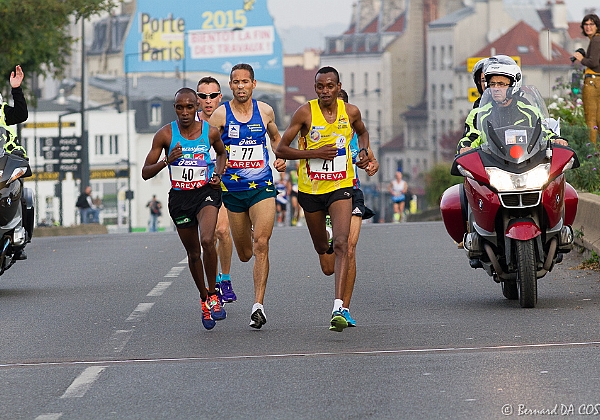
<point x="212" y="95"/>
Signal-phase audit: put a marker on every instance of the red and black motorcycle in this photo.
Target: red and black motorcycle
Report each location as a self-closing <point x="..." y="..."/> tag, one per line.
<point x="514" y="211"/>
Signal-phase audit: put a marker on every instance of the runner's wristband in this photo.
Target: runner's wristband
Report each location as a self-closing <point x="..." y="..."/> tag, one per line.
<point x="365" y="149"/>
<point x="166" y="161"/>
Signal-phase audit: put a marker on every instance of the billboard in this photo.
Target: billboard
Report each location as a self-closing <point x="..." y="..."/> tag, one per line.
<point x="204" y="36"/>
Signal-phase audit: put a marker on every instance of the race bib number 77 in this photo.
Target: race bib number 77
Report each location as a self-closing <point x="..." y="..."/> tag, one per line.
<point x="246" y="156"/>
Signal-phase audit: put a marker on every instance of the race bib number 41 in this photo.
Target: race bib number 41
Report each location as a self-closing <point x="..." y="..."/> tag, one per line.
<point x="246" y="156"/>
<point x="328" y="170"/>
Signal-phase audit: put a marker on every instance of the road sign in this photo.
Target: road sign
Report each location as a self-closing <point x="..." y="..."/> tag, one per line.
<point x="472" y="94"/>
<point x="65" y="150"/>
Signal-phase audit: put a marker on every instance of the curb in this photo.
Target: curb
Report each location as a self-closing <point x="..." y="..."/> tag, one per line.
<point x="88" y="229"/>
<point x="587" y="222"/>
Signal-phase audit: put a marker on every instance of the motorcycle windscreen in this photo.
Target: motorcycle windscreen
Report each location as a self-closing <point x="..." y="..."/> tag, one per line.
<point x="513" y="129"/>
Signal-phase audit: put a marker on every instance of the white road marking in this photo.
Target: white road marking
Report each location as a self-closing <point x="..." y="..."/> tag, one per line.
<point x="49" y="416"/>
<point x="318" y="354"/>
<point x="175" y="271"/>
<point x="140" y="312"/>
<point x="160" y="288"/>
<point x="184" y="261"/>
<point x="119" y="339"/>
<point x="83" y="382"/>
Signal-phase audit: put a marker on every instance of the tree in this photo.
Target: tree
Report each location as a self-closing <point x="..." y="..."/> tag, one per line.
<point x="34" y="34"/>
<point x="448" y="143"/>
<point x="437" y="180"/>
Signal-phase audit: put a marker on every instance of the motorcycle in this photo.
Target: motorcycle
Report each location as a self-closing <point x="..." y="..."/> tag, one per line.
<point x="17" y="206"/>
<point x="513" y="212"/>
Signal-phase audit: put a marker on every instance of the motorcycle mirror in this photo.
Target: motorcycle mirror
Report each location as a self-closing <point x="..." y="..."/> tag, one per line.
<point x="536" y="133"/>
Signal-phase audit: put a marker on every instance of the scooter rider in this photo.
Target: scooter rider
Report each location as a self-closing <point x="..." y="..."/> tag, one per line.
<point x="471" y="133"/>
<point x="11" y="115"/>
<point x="504" y="79"/>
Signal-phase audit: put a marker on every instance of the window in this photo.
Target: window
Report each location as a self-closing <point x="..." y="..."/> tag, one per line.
<point x="113" y="144"/>
<point x="433" y="59"/>
<point x="378" y="83"/>
<point x="366" y="84"/>
<point x="366" y="120"/>
<point x="442" y="58"/>
<point x="352" y="84"/>
<point x="99" y="142"/>
<point x="379" y="123"/>
<point x="450" y="57"/>
<point x="442" y="96"/>
<point x="155" y="113"/>
<point x="433" y="96"/>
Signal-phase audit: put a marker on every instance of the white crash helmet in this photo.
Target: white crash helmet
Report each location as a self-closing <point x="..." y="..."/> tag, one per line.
<point x="503" y="65"/>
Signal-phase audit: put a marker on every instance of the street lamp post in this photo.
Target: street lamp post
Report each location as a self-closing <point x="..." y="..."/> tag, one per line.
<point x="129" y="193"/>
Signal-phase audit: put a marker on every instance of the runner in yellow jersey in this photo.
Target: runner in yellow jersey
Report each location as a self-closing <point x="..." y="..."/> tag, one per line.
<point x="326" y="173"/>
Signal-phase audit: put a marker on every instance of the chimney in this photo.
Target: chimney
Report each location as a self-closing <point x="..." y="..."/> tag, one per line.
<point x="559" y="14"/>
<point x="545" y="43"/>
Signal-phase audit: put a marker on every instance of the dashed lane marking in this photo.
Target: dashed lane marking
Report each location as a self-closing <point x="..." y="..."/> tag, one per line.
<point x="140" y="312"/>
<point x="160" y="288"/>
<point x="83" y="382"/>
<point x="175" y="271"/>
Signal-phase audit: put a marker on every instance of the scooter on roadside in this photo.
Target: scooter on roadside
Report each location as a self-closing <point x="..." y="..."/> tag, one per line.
<point x="17" y="206"/>
<point x="513" y="212"/>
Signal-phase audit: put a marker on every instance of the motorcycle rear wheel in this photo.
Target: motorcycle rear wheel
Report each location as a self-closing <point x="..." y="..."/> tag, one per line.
<point x="510" y="290"/>
<point x="526" y="272"/>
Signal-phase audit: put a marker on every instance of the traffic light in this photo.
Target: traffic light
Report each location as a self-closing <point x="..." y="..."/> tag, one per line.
<point x="576" y="82"/>
<point x="117" y="102"/>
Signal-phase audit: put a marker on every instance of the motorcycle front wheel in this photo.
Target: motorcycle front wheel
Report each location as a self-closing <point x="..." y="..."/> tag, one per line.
<point x="526" y="273"/>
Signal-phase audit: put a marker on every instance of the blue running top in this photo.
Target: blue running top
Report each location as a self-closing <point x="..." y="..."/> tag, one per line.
<point x="248" y="158"/>
<point x="194" y="168"/>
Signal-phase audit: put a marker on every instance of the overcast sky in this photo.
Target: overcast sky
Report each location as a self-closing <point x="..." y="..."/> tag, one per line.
<point x="288" y="13"/>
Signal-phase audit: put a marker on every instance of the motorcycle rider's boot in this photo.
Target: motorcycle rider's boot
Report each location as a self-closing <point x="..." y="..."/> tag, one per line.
<point x="20" y="254"/>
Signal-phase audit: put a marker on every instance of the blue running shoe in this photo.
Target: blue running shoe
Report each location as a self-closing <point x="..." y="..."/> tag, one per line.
<point x="349" y="319"/>
<point x="217" y="311"/>
<point x="227" y="293"/>
<point x="207" y="320"/>
<point x="338" y="322"/>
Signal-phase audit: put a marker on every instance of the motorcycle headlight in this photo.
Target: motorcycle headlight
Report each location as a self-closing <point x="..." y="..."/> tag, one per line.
<point x="534" y="179"/>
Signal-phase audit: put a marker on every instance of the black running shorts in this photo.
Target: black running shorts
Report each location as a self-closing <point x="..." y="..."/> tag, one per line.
<point x="184" y="206"/>
<point x="321" y="202"/>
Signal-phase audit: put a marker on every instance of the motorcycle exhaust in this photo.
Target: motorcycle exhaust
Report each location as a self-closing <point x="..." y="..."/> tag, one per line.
<point x="566" y="237"/>
<point x="472" y="244"/>
<point x="19" y="236"/>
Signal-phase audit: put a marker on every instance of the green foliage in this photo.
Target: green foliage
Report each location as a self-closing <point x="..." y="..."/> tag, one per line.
<point x="437" y="180"/>
<point x="587" y="176"/>
<point x="565" y="104"/>
<point x="34" y="34"/>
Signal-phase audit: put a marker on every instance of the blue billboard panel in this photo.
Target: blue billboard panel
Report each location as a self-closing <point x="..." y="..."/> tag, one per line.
<point x="204" y="36"/>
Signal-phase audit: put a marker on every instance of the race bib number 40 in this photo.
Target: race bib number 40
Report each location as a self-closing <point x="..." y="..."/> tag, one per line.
<point x="189" y="174"/>
<point x="246" y="156"/>
<point x="328" y="170"/>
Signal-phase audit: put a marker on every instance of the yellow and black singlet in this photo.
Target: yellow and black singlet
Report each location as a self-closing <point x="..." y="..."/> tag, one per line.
<point x="320" y="176"/>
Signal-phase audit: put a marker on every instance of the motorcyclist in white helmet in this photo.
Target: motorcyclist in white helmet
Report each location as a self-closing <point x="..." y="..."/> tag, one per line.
<point x="504" y="79"/>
